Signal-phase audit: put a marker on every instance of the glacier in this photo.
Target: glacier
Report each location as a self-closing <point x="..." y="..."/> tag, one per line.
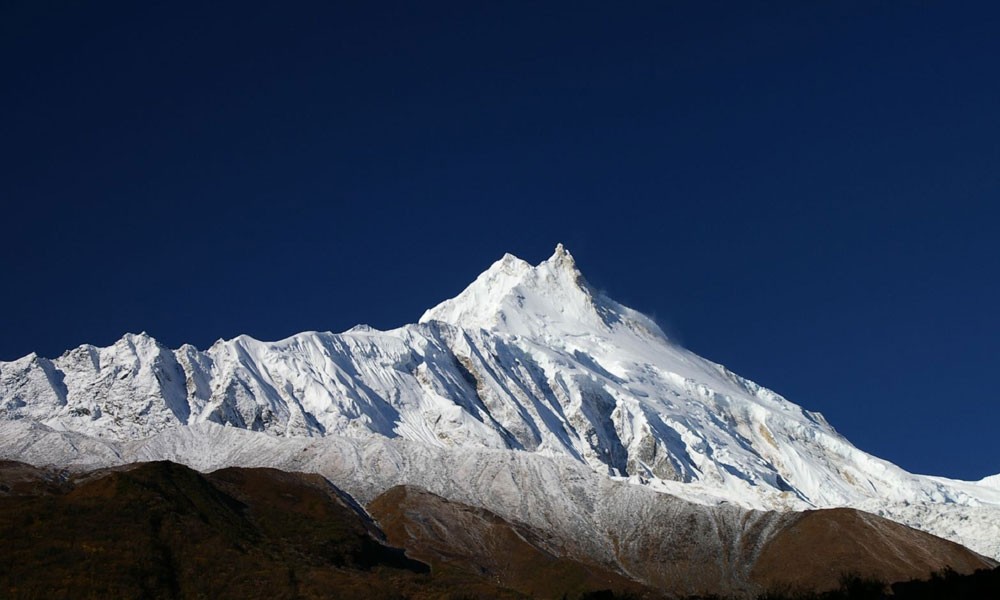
<point x="529" y="363"/>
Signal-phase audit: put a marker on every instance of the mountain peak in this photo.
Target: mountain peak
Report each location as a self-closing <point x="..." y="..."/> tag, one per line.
<point x="561" y="253"/>
<point x="549" y="300"/>
<point x="507" y="265"/>
<point x="562" y="259"/>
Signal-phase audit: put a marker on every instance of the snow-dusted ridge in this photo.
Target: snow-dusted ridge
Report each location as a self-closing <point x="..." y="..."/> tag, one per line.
<point x="527" y="358"/>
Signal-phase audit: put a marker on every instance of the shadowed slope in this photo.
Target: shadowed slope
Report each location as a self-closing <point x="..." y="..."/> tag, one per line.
<point x="162" y="530"/>
<point x="19" y="479"/>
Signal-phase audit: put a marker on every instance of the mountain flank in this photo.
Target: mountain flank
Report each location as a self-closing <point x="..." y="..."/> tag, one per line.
<point x="527" y="359"/>
<point x="163" y="530"/>
<point x="460" y="540"/>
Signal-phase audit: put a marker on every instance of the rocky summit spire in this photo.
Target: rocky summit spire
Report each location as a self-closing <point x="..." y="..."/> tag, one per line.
<point x="562" y="258"/>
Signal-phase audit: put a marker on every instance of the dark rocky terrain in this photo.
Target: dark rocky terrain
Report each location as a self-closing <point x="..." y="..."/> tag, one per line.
<point x="162" y="530"/>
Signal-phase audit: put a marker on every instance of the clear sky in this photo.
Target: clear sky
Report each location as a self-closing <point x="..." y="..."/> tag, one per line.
<point x="804" y="191"/>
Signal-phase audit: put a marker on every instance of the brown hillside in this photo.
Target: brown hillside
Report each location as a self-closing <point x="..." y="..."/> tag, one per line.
<point x="161" y="530"/>
<point x="461" y="541"/>
<point x="19" y="479"/>
<point x="818" y="547"/>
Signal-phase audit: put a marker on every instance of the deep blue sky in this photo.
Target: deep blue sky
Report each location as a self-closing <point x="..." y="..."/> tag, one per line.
<point x="806" y="192"/>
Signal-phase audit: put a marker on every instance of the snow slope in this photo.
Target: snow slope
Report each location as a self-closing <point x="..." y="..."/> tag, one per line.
<point x="527" y="358"/>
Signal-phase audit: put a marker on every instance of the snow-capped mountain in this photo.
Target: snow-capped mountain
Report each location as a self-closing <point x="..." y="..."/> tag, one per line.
<point x="527" y="358"/>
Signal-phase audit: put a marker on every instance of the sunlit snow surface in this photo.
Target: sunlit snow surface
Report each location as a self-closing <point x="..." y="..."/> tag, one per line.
<point x="526" y="358"/>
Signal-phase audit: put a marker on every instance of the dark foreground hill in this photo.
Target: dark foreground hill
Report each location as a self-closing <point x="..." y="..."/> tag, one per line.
<point x="162" y="530"/>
